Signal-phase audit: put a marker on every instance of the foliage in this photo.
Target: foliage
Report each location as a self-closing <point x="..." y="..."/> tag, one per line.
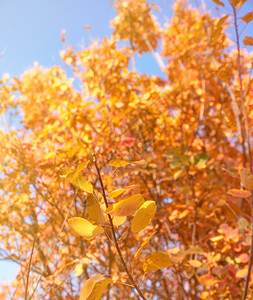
<point x="132" y="179"/>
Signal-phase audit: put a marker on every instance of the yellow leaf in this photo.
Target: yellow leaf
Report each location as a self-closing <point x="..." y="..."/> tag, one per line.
<point x="247" y="178"/>
<point x="119" y="162"/>
<point x="248" y="17"/>
<point x="248" y="41"/>
<point x="238" y="3"/>
<point x="126" y="206"/>
<point x="88" y="287"/>
<point x="155" y="261"/>
<point x="116" y="193"/>
<point x="138" y="253"/>
<point x="82" y="166"/>
<point x="80" y="182"/>
<point x="177" y="174"/>
<point x="84" y="228"/>
<point x="93" y="209"/>
<point x="143" y="216"/>
<point x="78" y="269"/>
<point x="242" y="273"/>
<point x="195" y="263"/>
<point x="117" y="221"/>
<point x="218" y="2"/>
<point x="99" y="288"/>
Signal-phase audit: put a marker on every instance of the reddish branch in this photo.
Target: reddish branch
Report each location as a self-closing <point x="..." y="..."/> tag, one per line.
<point x="114" y="234"/>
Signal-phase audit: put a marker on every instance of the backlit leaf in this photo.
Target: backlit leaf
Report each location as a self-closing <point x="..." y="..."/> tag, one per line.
<point x="116" y="193"/>
<point x="94" y="210"/>
<point x="78" y="269"/>
<point x="84" y="228"/>
<point x="88" y="286"/>
<point x="126" y="206"/>
<point x="119" y="162"/>
<point x="117" y="221"/>
<point x="155" y="261"/>
<point x="143" y="216"/>
<point x="99" y="288"/>
<point x="138" y="253"/>
<point x="80" y="182"/>
<point x="82" y="166"/>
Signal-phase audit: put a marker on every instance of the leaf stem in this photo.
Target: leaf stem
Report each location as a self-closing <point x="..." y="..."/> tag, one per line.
<point x="113" y="232"/>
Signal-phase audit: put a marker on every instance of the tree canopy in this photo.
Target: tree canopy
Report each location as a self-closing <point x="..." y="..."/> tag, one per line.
<point x="123" y="185"/>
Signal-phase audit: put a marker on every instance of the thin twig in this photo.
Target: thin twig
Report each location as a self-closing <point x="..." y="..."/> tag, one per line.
<point x="243" y="109"/>
<point x="113" y="232"/>
<point x="29" y="268"/>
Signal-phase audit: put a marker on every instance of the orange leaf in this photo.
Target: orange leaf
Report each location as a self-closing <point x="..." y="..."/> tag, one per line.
<point x="248" y="41"/>
<point x="218" y="2"/>
<point x="155" y="261"/>
<point x="238" y="193"/>
<point x="248" y="17"/>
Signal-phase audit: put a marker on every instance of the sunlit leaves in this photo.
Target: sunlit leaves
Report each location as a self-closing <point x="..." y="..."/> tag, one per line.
<point x="126" y="207"/>
<point x="84" y="228"/>
<point x="119" y="162"/>
<point x="156" y="260"/>
<point x="77" y="179"/>
<point x="145" y="243"/>
<point x="88" y="286"/>
<point x="143" y="216"/>
<point x="94" y="210"/>
<point x="118" y="192"/>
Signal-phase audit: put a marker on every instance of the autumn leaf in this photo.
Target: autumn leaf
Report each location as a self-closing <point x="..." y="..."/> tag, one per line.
<point x="94" y="210"/>
<point x="88" y="286"/>
<point x="138" y="253"/>
<point x="248" y="17"/>
<point x="99" y="288"/>
<point x="84" y="228"/>
<point x="218" y="2"/>
<point x="238" y="193"/>
<point x="248" y="41"/>
<point x="126" y="206"/>
<point x="247" y="179"/>
<point x="143" y="216"/>
<point x="155" y="261"/>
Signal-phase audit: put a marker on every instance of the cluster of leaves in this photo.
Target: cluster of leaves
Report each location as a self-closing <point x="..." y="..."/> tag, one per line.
<point x="177" y="141"/>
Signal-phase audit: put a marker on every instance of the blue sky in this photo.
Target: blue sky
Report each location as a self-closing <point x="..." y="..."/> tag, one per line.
<point x="30" y="30"/>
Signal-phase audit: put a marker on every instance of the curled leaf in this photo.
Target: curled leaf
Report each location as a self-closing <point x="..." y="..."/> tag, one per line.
<point x="84" y="228"/>
<point x="126" y="206"/>
<point x="143" y="216"/>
